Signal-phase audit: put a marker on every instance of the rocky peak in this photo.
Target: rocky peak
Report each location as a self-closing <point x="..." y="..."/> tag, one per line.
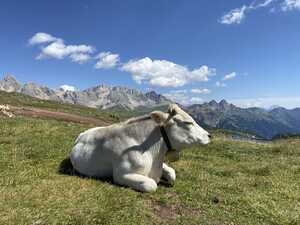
<point x="10" y="78"/>
<point x="273" y="107"/>
<point x="157" y="98"/>
<point x="10" y="84"/>
<point x="153" y="96"/>
<point x="126" y="90"/>
<point x="223" y="102"/>
<point x="225" y="105"/>
<point x="213" y="103"/>
<point x="278" y="109"/>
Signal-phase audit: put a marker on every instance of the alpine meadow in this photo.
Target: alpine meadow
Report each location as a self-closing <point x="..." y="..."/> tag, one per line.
<point x="144" y="112"/>
<point x="225" y="182"/>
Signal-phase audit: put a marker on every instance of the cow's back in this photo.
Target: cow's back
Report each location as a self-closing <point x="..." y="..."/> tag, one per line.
<point x="90" y="156"/>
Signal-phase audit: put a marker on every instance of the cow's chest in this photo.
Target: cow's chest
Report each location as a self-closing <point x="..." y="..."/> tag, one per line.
<point x="147" y="164"/>
<point x="153" y="166"/>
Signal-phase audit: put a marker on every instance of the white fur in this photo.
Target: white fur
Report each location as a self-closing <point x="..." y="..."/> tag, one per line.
<point x="133" y="152"/>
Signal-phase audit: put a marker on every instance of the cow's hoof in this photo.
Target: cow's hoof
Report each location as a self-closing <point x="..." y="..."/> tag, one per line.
<point x="149" y="186"/>
<point x="170" y="176"/>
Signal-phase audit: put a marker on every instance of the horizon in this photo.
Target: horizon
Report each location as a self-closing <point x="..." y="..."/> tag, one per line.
<point x="67" y="88"/>
<point x="244" y="52"/>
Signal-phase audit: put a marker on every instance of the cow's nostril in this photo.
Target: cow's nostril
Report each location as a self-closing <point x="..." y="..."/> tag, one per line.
<point x="209" y="136"/>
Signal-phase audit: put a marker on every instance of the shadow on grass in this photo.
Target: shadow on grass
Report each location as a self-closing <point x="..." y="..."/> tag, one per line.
<point x="66" y="168"/>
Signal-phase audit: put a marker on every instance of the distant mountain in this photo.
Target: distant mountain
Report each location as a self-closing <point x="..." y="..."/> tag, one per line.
<point x="102" y="96"/>
<point x="10" y="84"/>
<point x="261" y="122"/>
<point x="273" y="107"/>
<point x="157" y="98"/>
<point x="258" y="121"/>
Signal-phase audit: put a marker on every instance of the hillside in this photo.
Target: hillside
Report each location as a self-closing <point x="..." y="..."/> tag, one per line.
<point x="225" y="182"/>
<point x="19" y="100"/>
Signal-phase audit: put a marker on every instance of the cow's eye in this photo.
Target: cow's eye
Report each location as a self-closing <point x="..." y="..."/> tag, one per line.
<point x="188" y="122"/>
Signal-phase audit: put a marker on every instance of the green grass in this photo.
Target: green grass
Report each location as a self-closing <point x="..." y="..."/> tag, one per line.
<point x="225" y="182"/>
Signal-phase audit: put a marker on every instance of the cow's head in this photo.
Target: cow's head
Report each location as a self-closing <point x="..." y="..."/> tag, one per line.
<point x="181" y="128"/>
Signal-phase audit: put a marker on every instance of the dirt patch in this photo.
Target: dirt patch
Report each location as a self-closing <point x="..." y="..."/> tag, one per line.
<point x="171" y="211"/>
<point x="42" y="113"/>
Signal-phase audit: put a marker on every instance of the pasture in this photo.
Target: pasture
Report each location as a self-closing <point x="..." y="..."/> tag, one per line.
<point x="225" y="182"/>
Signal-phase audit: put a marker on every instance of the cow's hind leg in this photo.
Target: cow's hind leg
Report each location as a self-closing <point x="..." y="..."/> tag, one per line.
<point x="137" y="182"/>
<point x="168" y="174"/>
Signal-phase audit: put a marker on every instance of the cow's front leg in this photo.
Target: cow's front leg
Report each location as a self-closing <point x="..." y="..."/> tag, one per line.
<point x="136" y="181"/>
<point x="168" y="174"/>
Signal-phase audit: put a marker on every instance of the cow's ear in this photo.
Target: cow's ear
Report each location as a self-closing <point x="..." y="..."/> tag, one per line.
<point x="159" y="117"/>
<point x="173" y="109"/>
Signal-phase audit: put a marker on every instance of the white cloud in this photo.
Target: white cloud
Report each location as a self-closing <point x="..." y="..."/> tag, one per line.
<point x="59" y="50"/>
<point x="164" y="73"/>
<point x="41" y="38"/>
<point x="56" y="48"/>
<point x="234" y="16"/>
<point x="220" y="84"/>
<point x="107" y="60"/>
<point x="265" y="3"/>
<point x="229" y="76"/>
<point x="66" y="87"/>
<point x="195" y="100"/>
<point x="201" y="91"/>
<point x="183" y="98"/>
<point x="288" y="5"/>
<point x="80" y="57"/>
<point x="179" y="91"/>
<point x="267" y="102"/>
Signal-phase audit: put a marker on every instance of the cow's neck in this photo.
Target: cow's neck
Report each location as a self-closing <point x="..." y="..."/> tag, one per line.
<point x="166" y="139"/>
<point x="158" y="150"/>
<point x="155" y="144"/>
<point x="151" y="142"/>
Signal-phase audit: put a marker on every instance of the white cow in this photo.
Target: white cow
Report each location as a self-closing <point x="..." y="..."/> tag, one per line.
<point x="133" y="152"/>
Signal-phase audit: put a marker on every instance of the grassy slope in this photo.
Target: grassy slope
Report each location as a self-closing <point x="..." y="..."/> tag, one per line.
<point x="21" y="100"/>
<point x="226" y="182"/>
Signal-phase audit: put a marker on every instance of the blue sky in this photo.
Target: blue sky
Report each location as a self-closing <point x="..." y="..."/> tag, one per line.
<point x="247" y="52"/>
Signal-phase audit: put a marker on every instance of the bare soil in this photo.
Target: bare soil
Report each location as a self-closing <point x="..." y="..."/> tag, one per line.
<point x="42" y="113"/>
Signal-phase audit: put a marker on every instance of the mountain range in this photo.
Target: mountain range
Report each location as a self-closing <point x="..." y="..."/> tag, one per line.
<point x="258" y="121"/>
<point x="261" y="122"/>
<point x="101" y="96"/>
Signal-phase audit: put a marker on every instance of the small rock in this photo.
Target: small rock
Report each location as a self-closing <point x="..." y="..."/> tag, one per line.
<point x="4" y="109"/>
